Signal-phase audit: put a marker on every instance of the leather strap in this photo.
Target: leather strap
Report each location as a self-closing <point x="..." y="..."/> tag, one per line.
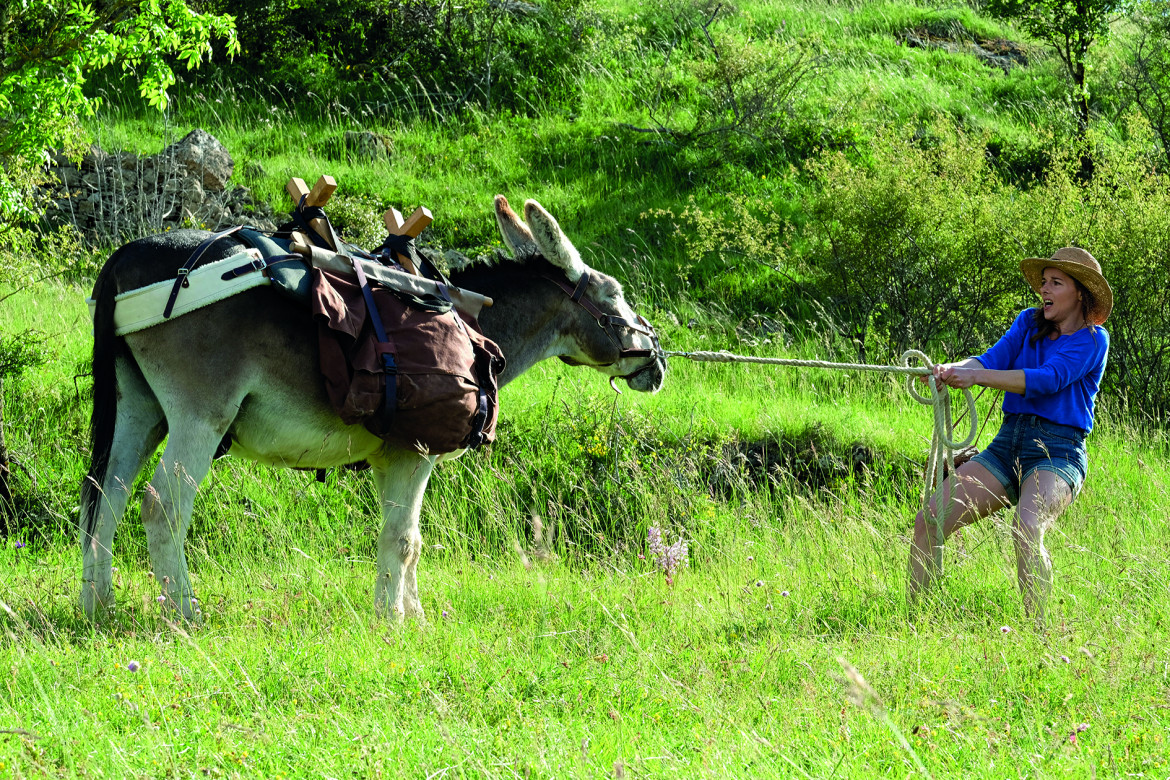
<point x="259" y="265"/>
<point x="181" y="274"/>
<point x="389" y="367"/>
<point x="607" y="322"/>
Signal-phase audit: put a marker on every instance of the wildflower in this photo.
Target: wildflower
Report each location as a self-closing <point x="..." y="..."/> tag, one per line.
<point x="1064" y="659"/>
<point x="750" y="558"/>
<point x="19" y="544"/>
<point x="666" y="558"/>
<point x="445" y="614"/>
<point x="161" y="598"/>
<point x="1005" y="629"/>
<point x="133" y="666"/>
<point x="784" y="593"/>
<point x="759" y="583"/>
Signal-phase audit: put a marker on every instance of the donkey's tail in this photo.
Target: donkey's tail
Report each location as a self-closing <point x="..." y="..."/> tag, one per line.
<point x="106" y="347"/>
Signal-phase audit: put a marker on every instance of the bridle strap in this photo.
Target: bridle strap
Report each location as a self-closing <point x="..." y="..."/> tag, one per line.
<point x="608" y="322"/>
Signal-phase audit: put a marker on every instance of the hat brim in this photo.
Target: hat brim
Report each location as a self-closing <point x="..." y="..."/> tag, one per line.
<point x="1094" y="282"/>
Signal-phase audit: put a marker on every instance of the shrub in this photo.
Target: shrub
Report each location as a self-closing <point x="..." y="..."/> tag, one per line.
<point x="915" y="247"/>
<point x="497" y="54"/>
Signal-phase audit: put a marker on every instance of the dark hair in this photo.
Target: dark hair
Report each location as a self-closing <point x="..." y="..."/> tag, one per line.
<point x="1045" y="328"/>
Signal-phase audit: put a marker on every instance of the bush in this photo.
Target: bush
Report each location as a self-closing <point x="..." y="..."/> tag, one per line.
<point x="495" y="53"/>
<point x="917" y="241"/>
<point x="914" y="248"/>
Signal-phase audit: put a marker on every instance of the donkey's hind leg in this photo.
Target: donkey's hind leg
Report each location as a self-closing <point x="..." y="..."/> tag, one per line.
<point x="168" y="503"/>
<point x="402" y="482"/>
<point x="138" y="430"/>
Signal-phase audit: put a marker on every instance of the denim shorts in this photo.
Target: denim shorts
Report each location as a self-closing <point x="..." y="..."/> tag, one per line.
<point x="1027" y="443"/>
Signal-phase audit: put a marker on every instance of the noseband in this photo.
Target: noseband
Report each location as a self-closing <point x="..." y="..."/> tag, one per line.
<point x="610" y="323"/>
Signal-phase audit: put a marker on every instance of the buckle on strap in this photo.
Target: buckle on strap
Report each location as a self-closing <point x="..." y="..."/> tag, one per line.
<point x="255" y="264"/>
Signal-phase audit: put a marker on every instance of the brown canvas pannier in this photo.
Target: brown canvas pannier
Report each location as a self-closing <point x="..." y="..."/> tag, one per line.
<point x="441" y="372"/>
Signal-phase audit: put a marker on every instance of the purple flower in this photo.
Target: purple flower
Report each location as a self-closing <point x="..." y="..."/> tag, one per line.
<point x="445" y="615"/>
<point x="759" y="583"/>
<point x="1005" y="629"/>
<point x="784" y="593"/>
<point x="161" y="598"/>
<point x="133" y="666"/>
<point x="1064" y="658"/>
<point x="19" y="544"/>
<point x="666" y="558"/>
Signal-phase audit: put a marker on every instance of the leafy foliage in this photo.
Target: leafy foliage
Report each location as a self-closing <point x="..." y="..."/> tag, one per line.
<point x="1070" y="27"/>
<point x="445" y="55"/>
<point x="1147" y="79"/>
<point x="49" y="47"/>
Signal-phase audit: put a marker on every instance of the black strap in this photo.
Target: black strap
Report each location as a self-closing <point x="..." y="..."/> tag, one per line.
<point x="181" y="274"/>
<point x="259" y="265"/>
<point x="404" y="245"/>
<point x="389" y="367"/>
<point x="302" y="215"/>
<point x="475" y="436"/>
<point x="579" y="290"/>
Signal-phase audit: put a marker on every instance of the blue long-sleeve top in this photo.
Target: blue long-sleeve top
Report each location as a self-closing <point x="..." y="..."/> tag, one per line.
<point x="1061" y="376"/>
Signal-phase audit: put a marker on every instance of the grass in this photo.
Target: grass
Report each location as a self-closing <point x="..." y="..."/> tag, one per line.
<point x="587" y="662"/>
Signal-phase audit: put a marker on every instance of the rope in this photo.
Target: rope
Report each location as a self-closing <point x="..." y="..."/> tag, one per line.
<point x="942" y="443"/>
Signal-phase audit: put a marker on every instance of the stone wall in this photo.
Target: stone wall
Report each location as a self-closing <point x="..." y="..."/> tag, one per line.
<point x="112" y="197"/>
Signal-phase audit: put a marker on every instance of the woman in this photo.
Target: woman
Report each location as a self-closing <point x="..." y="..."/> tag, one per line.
<point x="1049" y="365"/>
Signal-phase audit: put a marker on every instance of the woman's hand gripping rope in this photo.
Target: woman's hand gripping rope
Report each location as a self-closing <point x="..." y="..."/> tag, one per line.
<point x="942" y="444"/>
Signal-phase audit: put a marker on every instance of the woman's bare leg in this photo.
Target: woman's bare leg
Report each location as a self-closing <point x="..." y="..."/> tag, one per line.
<point x="1043" y="496"/>
<point x="975" y="494"/>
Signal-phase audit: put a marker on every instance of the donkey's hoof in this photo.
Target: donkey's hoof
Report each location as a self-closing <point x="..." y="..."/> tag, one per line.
<point x="414" y="613"/>
<point x="95" y="605"/>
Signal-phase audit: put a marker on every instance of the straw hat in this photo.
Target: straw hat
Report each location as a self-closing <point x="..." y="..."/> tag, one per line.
<point x="1081" y="266"/>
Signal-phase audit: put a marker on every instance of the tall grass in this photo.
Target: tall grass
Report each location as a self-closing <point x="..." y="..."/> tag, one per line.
<point x="571" y="655"/>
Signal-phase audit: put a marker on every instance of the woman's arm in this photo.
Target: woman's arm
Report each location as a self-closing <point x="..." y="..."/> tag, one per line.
<point x="969" y="372"/>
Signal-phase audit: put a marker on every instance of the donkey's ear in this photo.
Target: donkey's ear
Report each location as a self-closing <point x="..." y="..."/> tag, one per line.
<point x="515" y="233"/>
<point x="552" y="242"/>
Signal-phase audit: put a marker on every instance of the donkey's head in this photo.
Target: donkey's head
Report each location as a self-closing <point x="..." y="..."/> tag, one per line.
<point x="597" y="327"/>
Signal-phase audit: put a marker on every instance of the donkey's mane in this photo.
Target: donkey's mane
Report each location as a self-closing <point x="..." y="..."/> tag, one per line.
<point x="534" y="265"/>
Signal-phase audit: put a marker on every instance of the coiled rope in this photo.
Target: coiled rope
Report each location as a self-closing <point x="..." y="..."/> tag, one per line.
<point x="942" y="444"/>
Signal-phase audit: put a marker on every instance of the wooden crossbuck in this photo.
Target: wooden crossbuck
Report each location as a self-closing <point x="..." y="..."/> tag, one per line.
<point x="417" y="222"/>
<point x="321" y="193"/>
<point x="318" y="196"/>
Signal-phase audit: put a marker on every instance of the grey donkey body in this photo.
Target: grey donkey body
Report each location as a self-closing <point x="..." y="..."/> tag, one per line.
<point x="244" y="370"/>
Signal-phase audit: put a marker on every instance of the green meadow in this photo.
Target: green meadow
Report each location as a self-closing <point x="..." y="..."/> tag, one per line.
<point x="555" y="645"/>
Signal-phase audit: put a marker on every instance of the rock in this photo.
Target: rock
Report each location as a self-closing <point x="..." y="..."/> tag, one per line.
<point x="200" y="153"/>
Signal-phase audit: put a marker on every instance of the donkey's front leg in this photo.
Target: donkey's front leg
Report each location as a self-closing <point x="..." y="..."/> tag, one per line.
<point x="402" y="482"/>
<point x="167" y="506"/>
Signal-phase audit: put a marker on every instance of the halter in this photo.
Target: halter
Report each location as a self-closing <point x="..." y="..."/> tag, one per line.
<point x="609" y="323"/>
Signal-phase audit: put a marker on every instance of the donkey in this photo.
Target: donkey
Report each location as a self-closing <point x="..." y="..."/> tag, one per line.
<point x="243" y="372"/>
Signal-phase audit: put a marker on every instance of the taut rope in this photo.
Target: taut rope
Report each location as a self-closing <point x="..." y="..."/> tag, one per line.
<point x="942" y="443"/>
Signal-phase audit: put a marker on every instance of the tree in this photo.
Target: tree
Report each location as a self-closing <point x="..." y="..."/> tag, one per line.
<point x="1068" y="26"/>
<point x="47" y="49"/>
<point x="1147" y="78"/>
